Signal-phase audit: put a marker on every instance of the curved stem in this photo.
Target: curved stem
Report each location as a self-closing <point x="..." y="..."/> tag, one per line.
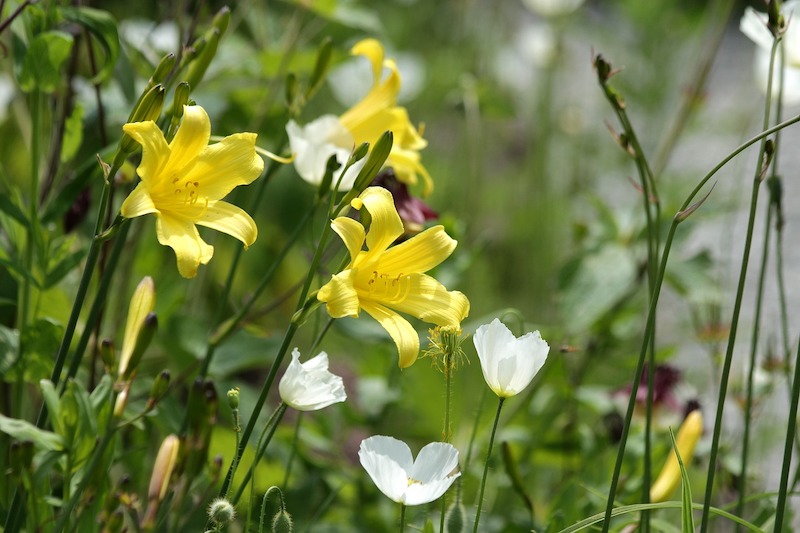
<point x="486" y="466"/>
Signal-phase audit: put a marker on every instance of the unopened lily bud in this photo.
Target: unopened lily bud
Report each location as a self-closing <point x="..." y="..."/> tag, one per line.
<point x="160" y="386"/>
<point x="162" y="472"/>
<point x="108" y="356"/>
<point x="198" y="67"/>
<point x="163" y="69"/>
<point x="377" y="157"/>
<point x="221" y="19"/>
<point x="358" y="154"/>
<point x="221" y="512"/>
<point x="122" y="400"/>
<point x="142" y="304"/>
<point x="282" y="523"/>
<point x="320" y="67"/>
<point x="690" y="432"/>
<point x="148" y="108"/>
<point x="181" y="98"/>
<point x="146" y="333"/>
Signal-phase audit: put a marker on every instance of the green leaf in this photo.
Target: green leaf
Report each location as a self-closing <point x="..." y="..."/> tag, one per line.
<point x="73" y="134"/>
<point x="40" y="340"/>
<point x="102" y="26"/>
<point x="44" y="58"/>
<point x="63" y="267"/>
<point x="53" y="403"/>
<point x="687" y="519"/>
<point x="8" y="207"/>
<point x="597" y="283"/>
<point x="22" y="430"/>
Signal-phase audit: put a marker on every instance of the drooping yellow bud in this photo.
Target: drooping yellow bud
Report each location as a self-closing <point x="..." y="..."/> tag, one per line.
<point x="686" y="440"/>
<point x="142" y="303"/>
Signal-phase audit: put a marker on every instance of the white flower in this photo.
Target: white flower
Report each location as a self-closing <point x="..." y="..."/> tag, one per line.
<point x="394" y="471"/>
<point x="314" y="143"/>
<point x="509" y="364"/>
<point x="309" y="386"/>
<point x="754" y="25"/>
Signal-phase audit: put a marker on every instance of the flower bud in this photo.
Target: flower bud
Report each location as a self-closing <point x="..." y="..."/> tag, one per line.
<point x="159" y="389"/>
<point x="221" y="19"/>
<point x="282" y="523"/>
<point x="162" y="472"/>
<point x="145" y="335"/>
<point x="320" y="67"/>
<point x="221" y="512"/>
<point x="455" y="518"/>
<point x="690" y="432"/>
<point x="148" y="108"/>
<point x="162" y="70"/>
<point x="181" y="98"/>
<point x="198" y="67"/>
<point x="233" y="398"/>
<point x="163" y="467"/>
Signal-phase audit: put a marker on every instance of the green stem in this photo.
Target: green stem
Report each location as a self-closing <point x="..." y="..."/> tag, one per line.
<point x="402" y="518"/>
<point x="448" y="379"/>
<point x="261" y="448"/>
<point x="787" y="449"/>
<point x="649" y="327"/>
<point x="752" y="361"/>
<point x="99" y="302"/>
<point x="726" y="367"/>
<point x="486" y="466"/>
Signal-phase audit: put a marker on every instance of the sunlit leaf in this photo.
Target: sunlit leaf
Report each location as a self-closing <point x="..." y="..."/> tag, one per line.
<point x="44" y="59"/>
<point x="23" y="430"/>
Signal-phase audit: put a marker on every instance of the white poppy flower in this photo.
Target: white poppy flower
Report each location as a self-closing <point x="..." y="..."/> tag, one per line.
<point x="315" y="143"/>
<point x="394" y="471"/>
<point x="754" y="25"/>
<point x="310" y="386"/>
<point x="509" y="364"/>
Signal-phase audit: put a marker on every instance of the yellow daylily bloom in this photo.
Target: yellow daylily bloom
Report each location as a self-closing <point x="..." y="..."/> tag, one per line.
<point x="378" y="112"/>
<point x="384" y="279"/>
<point x="690" y="432"/>
<point x="184" y="181"/>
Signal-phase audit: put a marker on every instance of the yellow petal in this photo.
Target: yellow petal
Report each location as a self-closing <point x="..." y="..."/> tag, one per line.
<point x="340" y="295"/>
<point x="422" y="296"/>
<point x="404" y="336"/>
<point x="690" y="432"/>
<point x="191" y="138"/>
<point x="406" y="165"/>
<point x="225" y="165"/>
<point x="372" y="50"/>
<point x="138" y="203"/>
<point x="181" y="235"/>
<point x="352" y="234"/>
<point x="419" y="253"/>
<point x="386" y="225"/>
<point x="382" y="96"/>
<point x="142" y="303"/>
<point x="230" y="219"/>
<point x="155" y="150"/>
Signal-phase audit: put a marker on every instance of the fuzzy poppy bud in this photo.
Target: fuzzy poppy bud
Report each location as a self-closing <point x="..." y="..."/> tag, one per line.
<point x="221" y="512"/>
<point x="282" y="523"/>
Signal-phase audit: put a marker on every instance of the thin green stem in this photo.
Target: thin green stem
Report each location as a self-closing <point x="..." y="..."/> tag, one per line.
<point x="726" y="367"/>
<point x="752" y="362"/>
<point x="780" y="507"/>
<point x="261" y="448"/>
<point x="448" y="378"/>
<point x="486" y="466"/>
<point x="99" y="302"/>
<point x="402" y="518"/>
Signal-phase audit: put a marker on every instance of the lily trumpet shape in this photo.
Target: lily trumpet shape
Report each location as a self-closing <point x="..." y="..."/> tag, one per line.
<point x="384" y="279"/>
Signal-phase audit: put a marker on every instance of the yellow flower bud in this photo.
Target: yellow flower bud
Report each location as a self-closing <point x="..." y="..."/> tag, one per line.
<point x="686" y="440"/>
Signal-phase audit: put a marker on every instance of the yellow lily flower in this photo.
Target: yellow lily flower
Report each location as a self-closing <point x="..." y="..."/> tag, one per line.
<point x="378" y="112"/>
<point x="184" y="181"/>
<point x="384" y="279"/>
